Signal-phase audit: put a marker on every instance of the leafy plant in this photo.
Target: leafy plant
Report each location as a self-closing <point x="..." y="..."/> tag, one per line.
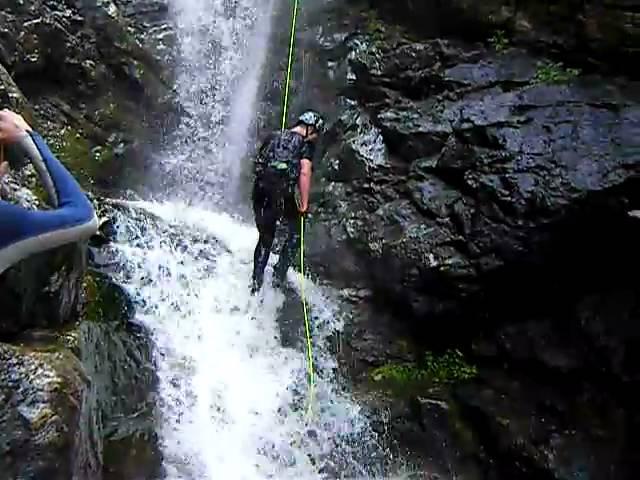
<point x="447" y="368"/>
<point x="450" y="367"/>
<point x="554" y="72"/>
<point x="499" y="41"/>
<point x="374" y="26"/>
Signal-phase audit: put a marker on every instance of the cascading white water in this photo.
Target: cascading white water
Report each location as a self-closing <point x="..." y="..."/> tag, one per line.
<point x="222" y="48"/>
<point x="231" y="396"/>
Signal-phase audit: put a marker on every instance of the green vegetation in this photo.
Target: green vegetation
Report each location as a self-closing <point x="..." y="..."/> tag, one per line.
<point x="109" y="115"/>
<point x="433" y="370"/>
<point x="375" y="27"/>
<point x="380" y="31"/>
<point x="554" y="72"/>
<point x="103" y="301"/>
<point x="499" y="41"/>
<point x="75" y="151"/>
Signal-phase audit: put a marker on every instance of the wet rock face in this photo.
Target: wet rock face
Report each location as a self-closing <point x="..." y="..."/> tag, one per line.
<point x="483" y="196"/>
<point x="598" y="32"/>
<point x="450" y="163"/>
<point x="152" y="26"/>
<point x="97" y="89"/>
<point x="536" y="430"/>
<point x="80" y="398"/>
<point x="42" y="291"/>
<point x="76" y="385"/>
<point x="119" y="405"/>
<point x="40" y="394"/>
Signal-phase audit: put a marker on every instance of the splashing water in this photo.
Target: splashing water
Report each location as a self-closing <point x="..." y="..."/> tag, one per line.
<point x="231" y="396"/>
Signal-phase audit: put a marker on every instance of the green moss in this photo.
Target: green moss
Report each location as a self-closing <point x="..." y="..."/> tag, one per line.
<point x="79" y="156"/>
<point x="74" y="150"/>
<point x="450" y="367"/>
<point x="380" y="32"/>
<point x="400" y="373"/>
<point x="93" y="303"/>
<point x="554" y="72"/>
<point x="375" y="27"/>
<point x="499" y="41"/>
<point x="103" y="300"/>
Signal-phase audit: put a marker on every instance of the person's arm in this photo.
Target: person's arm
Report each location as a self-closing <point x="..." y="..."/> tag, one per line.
<point x="304" y="184"/>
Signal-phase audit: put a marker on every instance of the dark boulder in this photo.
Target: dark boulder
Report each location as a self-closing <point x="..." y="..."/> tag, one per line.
<point x="531" y="428"/>
<point x="483" y="197"/>
<point x="40" y="403"/>
<point x="438" y="189"/>
<point x="43" y="290"/>
<point x="595" y="33"/>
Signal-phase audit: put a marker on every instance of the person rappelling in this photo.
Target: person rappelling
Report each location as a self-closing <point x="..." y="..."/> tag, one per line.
<point x="282" y="166"/>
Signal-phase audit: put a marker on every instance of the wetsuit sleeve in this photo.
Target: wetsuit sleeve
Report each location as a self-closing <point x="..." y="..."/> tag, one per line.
<point x="308" y="151"/>
<point x="24" y="232"/>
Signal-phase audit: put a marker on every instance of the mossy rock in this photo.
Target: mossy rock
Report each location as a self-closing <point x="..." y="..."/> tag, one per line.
<point x="104" y="300"/>
<point x="406" y="379"/>
<point x="40" y="402"/>
<point x="77" y="153"/>
<point x="43" y="290"/>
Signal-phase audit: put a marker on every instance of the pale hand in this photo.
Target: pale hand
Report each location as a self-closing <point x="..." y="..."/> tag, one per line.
<point x="12" y="127"/>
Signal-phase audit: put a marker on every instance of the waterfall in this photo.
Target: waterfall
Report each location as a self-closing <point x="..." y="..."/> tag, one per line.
<point x="231" y="394"/>
<point x="222" y="48"/>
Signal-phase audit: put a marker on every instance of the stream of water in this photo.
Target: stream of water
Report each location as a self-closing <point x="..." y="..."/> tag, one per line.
<point x="232" y="397"/>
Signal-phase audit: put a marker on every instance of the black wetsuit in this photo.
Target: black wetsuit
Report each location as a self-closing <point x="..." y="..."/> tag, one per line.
<point x="276" y="177"/>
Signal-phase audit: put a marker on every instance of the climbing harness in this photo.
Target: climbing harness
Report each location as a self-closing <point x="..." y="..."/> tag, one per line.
<point x="302" y="294"/>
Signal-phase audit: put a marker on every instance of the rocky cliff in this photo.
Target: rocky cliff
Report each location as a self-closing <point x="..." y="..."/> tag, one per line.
<point x="600" y="35"/>
<point x="76" y="377"/>
<point x="476" y="187"/>
<point x="80" y="72"/>
<point x="472" y="198"/>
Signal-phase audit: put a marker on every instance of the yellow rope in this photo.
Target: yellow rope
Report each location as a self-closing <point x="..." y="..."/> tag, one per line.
<point x="291" y="40"/>
<point x="302" y="295"/>
<point x="306" y="317"/>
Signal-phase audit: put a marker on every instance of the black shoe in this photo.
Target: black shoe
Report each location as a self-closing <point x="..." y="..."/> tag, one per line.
<point x="254" y="287"/>
<point x="278" y="282"/>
